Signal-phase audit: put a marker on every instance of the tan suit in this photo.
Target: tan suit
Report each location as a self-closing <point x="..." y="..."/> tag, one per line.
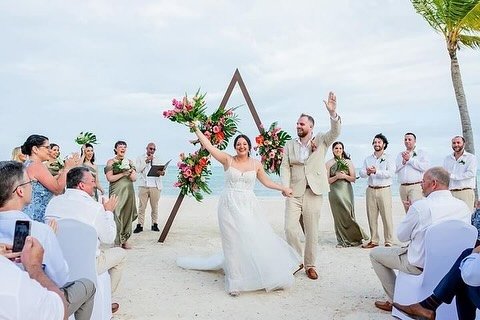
<point x="306" y="201"/>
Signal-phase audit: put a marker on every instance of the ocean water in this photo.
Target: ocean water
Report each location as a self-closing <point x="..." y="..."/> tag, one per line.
<point x="217" y="181"/>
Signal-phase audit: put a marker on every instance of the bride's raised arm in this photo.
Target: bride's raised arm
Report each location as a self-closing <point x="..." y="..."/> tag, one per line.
<point x="220" y="156"/>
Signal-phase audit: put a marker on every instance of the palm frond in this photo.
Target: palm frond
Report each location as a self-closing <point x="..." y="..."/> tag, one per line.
<point x="468" y="41"/>
<point x="471" y="20"/>
<point x="433" y="11"/>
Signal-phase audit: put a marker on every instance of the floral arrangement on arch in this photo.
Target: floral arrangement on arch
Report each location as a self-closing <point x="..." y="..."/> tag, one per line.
<point x="269" y="146"/>
<point x="194" y="169"/>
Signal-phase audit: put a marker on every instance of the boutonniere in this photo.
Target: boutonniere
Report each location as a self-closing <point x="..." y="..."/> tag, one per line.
<point x="414" y="154"/>
<point x="314" y="146"/>
<point x="382" y="159"/>
<point x="461" y="162"/>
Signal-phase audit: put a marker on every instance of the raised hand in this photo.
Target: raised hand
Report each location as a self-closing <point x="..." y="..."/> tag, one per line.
<point x="331" y="104"/>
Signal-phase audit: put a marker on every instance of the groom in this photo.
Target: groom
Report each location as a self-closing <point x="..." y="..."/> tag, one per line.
<point x="303" y="170"/>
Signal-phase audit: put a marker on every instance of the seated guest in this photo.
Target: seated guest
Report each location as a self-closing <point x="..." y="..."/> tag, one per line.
<point x="44" y="185"/>
<point x="15" y="194"/>
<point x="33" y="295"/>
<point x="462" y="281"/>
<point x="439" y="205"/>
<point x="77" y="203"/>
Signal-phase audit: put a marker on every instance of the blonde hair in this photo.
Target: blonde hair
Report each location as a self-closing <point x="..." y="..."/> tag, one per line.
<point x="16" y="153"/>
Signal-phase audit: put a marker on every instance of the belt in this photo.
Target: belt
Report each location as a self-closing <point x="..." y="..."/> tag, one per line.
<point x="461" y="189"/>
<point x="378" y="187"/>
<point x="411" y="183"/>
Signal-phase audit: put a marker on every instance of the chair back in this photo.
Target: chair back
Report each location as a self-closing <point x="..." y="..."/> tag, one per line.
<point x="78" y="242"/>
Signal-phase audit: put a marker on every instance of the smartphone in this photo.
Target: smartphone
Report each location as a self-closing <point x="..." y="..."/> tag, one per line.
<point x="22" y="230"/>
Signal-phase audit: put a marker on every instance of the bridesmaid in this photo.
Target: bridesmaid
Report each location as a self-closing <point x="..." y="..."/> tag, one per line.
<point x="341" y="175"/>
<point x="88" y="159"/>
<point x="51" y="162"/>
<point x="121" y="184"/>
<point x="44" y="186"/>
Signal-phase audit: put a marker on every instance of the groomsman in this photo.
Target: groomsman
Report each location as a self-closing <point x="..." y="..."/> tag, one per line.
<point x="462" y="167"/>
<point x="149" y="187"/>
<point x="379" y="169"/>
<point x="411" y="165"/>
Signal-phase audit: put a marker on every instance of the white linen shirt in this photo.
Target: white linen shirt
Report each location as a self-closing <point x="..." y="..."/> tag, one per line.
<point x="412" y="171"/>
<point x="438" y="206"/>
<point x="56" y="267"/>
<point x="77" y="204"/>
<point x="24" y="298"/>
<point x="385" y="170"/>
<point x="463" y="171"/>
<point x="142" y="169"/>
<point x="470" y="270"/>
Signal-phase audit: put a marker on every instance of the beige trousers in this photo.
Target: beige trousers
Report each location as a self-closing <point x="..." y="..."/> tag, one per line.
<point x="309" y="206"/>
<point x="410" y="193"/>
<point x="379" y="202"/>
<point x="468" y="196"/>
<point x="145" y="193"/>
<point x="385" y="260"/>
<point x="112" y="260"/>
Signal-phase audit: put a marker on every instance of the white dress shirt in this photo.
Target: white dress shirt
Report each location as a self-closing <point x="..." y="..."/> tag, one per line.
<point x="470" y="270"/>
<point x="56" y="267"/>
<point x="142" y="169"/>
<point x="24" y="298"/>
<point x="412" y="171"/>
<point x="463" y="171"/>
<point x="385" y="170"/>
<point x="77" y="204"/>
<point x="438" y="206"/>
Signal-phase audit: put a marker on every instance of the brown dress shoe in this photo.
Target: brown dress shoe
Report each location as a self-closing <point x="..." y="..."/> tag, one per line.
<point x="384" y="305"/>
<point x="416" y="310"/>
<point x="115" y="307"/>
<point x="311" y="273"/>
<point x="369" y="245"/>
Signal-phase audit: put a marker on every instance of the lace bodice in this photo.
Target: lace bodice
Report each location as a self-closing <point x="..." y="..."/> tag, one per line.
<point x="240" y="180"/>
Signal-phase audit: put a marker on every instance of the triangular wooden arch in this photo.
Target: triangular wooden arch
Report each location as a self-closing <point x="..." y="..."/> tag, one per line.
<point x="237" y="78"/>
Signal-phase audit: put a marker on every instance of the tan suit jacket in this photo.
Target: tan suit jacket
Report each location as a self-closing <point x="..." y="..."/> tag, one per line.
<point x="298" y="175"/>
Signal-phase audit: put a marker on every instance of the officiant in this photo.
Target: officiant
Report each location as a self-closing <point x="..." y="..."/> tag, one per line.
<point x="149" y="186"/>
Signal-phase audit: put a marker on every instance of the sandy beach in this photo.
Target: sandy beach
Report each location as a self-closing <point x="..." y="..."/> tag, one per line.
<point x="153" y="287"/>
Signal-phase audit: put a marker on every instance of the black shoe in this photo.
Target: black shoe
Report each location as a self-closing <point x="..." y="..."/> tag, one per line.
<point x="138" y="229"/>
<point x="155" y="227"/>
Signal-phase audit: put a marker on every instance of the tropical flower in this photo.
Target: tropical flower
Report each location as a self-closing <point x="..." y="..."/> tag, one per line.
<point x="220" y="127"/>
<point x="270" y="147"/>
<point x="194" y="173"/>
<point x="187" y="110"/>
<point x="86" y="137"/>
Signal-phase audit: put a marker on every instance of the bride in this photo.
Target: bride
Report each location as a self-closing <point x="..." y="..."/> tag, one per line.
<point x="254" y="257"/>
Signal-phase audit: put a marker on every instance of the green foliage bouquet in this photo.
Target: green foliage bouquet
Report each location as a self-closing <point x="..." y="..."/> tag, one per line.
<point x="86" y="137"/>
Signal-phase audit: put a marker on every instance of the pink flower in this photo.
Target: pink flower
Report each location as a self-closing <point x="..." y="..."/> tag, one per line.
<point x="187" y="173"/>
<point x="216" y="129"/>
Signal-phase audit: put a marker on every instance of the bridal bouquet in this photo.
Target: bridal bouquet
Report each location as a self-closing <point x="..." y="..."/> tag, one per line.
<point x="220" y="127"/>
<point x="86" y="137"/>
<point x="342" y="165"/>
<point x="270" y="145"/>
<point x="194" y="173"/>
<point x="120" y="166"/>
<point x="187" y="110"/>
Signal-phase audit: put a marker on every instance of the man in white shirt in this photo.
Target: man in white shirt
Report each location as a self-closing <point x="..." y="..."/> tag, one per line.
<point x="462" y="167"/>
<point x="439" y="205"/>
<point x="148" y="187"/>
<point x="411" y="165"/>
<point x="462" y="282"/>
<point x="379" y="169"/>
<point x="47" y="261"/>
<point x="77" y="203"/>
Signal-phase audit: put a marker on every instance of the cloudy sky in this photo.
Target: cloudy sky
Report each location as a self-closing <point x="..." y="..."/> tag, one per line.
<point x="112" y="68"/>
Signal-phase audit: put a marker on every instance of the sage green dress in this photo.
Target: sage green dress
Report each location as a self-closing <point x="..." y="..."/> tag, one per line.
<point x="347" y="230"/>
<point x="126" y="209"/>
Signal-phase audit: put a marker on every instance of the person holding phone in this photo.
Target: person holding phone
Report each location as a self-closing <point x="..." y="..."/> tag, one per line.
<point x="31" y="294"/>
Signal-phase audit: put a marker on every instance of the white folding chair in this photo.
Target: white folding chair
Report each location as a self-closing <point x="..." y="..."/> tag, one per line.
<point x="78" y="242"/>
<point x="444" y="242"/>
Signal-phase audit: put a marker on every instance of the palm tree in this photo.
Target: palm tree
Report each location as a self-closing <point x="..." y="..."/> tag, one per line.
<point x="459" y="22"/>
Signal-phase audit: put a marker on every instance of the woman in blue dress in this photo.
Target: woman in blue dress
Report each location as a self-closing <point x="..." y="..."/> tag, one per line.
<point x="44" y="186"/>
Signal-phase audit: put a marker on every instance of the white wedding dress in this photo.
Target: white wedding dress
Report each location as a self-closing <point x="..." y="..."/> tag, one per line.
<point x="254" y="256"/>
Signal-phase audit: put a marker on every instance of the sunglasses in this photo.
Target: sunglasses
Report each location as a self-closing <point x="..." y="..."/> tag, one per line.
<point x="22" y="184"/>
